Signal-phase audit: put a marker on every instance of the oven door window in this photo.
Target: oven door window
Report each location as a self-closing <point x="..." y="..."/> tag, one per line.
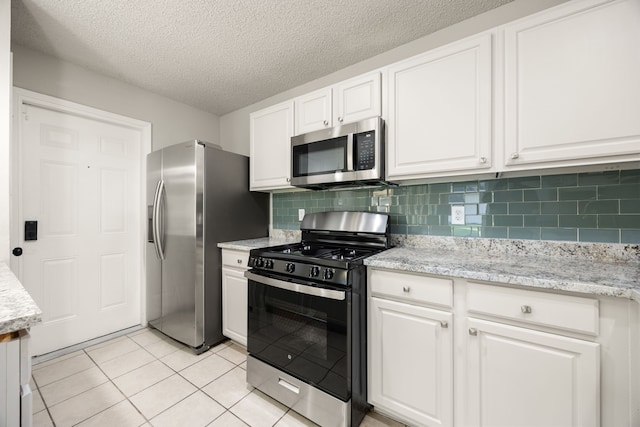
<point x="303" y="335"/>
<point x="320" y="157"/>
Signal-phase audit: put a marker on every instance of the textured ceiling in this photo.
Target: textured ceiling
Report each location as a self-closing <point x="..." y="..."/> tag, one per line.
<point x="221" y="55"/>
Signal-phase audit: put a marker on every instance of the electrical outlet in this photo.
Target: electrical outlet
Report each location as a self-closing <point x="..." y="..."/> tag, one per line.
<point x="457" y="214"/>
<point x="300" y="214"/>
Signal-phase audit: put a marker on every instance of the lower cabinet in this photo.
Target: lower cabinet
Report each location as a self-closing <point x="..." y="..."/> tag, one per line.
<point x="411" y="362"/>
<point x="15" y="371"/>
<point x="454" y="352"/>
<point x="234" y="295"/>
<point x="522" y="377"/>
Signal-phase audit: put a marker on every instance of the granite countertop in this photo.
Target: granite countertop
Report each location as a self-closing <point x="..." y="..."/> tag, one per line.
<point x="17" y="308"/>
<point x="261" y="242"/>
<point x="609" y="278"/>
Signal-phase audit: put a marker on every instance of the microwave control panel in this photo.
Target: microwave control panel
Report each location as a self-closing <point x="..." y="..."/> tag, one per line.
<point x="365" y="150"/>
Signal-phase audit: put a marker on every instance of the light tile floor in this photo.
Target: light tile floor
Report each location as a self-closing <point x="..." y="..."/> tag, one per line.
<point x="145" y="378"/>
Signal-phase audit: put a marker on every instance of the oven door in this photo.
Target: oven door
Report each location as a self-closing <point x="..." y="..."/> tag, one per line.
<point x="301" y="329"/>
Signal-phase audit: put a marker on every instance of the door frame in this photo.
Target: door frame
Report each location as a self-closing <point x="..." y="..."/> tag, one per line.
<point x="26" y="97"/>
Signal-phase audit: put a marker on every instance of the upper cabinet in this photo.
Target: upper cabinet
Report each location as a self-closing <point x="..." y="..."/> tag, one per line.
<point x="571" y="85"/>
<point x="270" y="147"/>
<point x="440" y="111"/>
<point x="349" y="101"/>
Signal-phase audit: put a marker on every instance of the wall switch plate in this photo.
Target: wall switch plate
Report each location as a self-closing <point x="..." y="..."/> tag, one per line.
<point x="300" y="214"/>
<point x="457" y="215"/>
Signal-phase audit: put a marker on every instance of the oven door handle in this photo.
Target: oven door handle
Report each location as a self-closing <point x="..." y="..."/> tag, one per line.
<point x="296" y="287"/>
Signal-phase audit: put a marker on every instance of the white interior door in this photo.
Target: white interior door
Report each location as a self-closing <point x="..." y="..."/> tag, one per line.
<point x="80" y="178"/>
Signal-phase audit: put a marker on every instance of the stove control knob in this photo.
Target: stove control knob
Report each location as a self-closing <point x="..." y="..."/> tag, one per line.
<point x="328" y="273"/>
<point x="314" y="271"/>
<point x="268" y="263"/>
<point x="259" y="262"/>
<point x="290" y="267"/>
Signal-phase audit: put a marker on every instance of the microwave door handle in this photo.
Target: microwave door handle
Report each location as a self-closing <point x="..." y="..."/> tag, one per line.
<point x="350" y="152"/>
<point x="296" y="287"/>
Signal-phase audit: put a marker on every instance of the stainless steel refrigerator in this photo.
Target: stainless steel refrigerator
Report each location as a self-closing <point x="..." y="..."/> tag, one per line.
<point x="197" y="196"/>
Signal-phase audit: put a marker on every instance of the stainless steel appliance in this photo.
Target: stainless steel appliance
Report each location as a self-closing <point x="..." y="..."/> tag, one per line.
<point x="347" y="155"/>
<point x="197" y="196"/>
<point x="307" y="316"/>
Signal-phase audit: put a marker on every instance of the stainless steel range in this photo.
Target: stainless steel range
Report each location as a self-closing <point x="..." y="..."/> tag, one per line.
<point x="307" y="316"/>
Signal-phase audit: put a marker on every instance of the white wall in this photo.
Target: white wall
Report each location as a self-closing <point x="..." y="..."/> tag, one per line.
<point x="172" y="122"/>
<point x="5" y="121"/>
<point x="234" y="127"/>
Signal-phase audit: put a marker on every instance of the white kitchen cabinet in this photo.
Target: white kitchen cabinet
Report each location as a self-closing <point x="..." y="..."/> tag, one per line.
<point x="234" y="295"/>
<point x="313" y="111"/>
<point x="440" y="111"/>
<point x="270" y="147"/>
<point x="15" y="370"/>
<point x="571" y="86"/>
<point x="517" y="375"/>
<point x="349" y="101"/>
<point x="410" y="349"/>
<point x="521" y="377"/>
<point x="358" y="98"/>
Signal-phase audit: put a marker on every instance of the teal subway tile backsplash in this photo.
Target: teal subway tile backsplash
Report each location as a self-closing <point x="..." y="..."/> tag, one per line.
<point x="585" y="207"/>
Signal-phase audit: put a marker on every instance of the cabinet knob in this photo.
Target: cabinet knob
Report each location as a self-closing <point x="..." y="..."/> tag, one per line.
<point x="326" y="122"/>
<point x="239" y="261"/>
<point x="515" y="155"/>
<point x="406" y="289"/>
<point x="473" y="331"/>
<point x="483" y="160"/>
<point x="288" y="179"/>
<point x="444" y="324"/>
<point x="340" y="119"/>
<point x="526" y="309"/>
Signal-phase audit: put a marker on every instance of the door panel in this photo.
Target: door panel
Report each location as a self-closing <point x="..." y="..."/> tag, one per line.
<point x="183" y="251"/>
<point x="80" y="180"/>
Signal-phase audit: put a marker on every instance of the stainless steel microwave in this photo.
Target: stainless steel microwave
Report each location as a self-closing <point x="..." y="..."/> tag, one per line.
<point x="351" y="154"/>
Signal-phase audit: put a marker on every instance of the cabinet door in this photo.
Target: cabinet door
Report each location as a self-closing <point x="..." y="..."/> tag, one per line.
<point x="440" y="111"/>
<point x="234" y="305"/>
<point x="411" y="365"/>
<point x="572" y="92"/>
<point x="313" y="111"/>
<point x="270" y="147"/>
<point x="520" y="377"/>
<point x="358" y="98"/>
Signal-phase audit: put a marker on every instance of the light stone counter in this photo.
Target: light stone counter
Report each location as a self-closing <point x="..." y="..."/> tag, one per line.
<point x="280" y="237"/>
<point x="600" y="269"/>
<point x="17" y="308"/>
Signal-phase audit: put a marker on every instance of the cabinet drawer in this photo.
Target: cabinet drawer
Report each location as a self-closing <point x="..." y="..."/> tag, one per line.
<point x="233" y="258"/>
<point x="538" y="308"/>
<point x="412" y="287"/>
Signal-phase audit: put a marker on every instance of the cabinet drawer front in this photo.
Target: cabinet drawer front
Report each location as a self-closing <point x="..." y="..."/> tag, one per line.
<point x="538" y="308"/>
<point x="232" y="258"/>
<point x="412" y="287"/>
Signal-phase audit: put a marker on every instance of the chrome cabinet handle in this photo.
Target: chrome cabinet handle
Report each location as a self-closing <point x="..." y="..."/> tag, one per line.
<point x="526" y="309"/>
<point x="483" y="160"/>
<point x="288" y="179"/>
<point x="473" y="331"/>
<point x="239" y="261"/>
<point x="444" y="324"/>
<point x="340" y="119"/>
<point x="515" y="155"/>
<point x="326" y="122"/>
<point x="406" y="289"/>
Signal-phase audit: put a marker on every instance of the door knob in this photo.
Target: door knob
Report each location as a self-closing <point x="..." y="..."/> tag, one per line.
<point x="17" y="251"/>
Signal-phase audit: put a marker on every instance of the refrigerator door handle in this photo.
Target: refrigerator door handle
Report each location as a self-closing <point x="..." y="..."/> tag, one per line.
<point x="156" y="222"/>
